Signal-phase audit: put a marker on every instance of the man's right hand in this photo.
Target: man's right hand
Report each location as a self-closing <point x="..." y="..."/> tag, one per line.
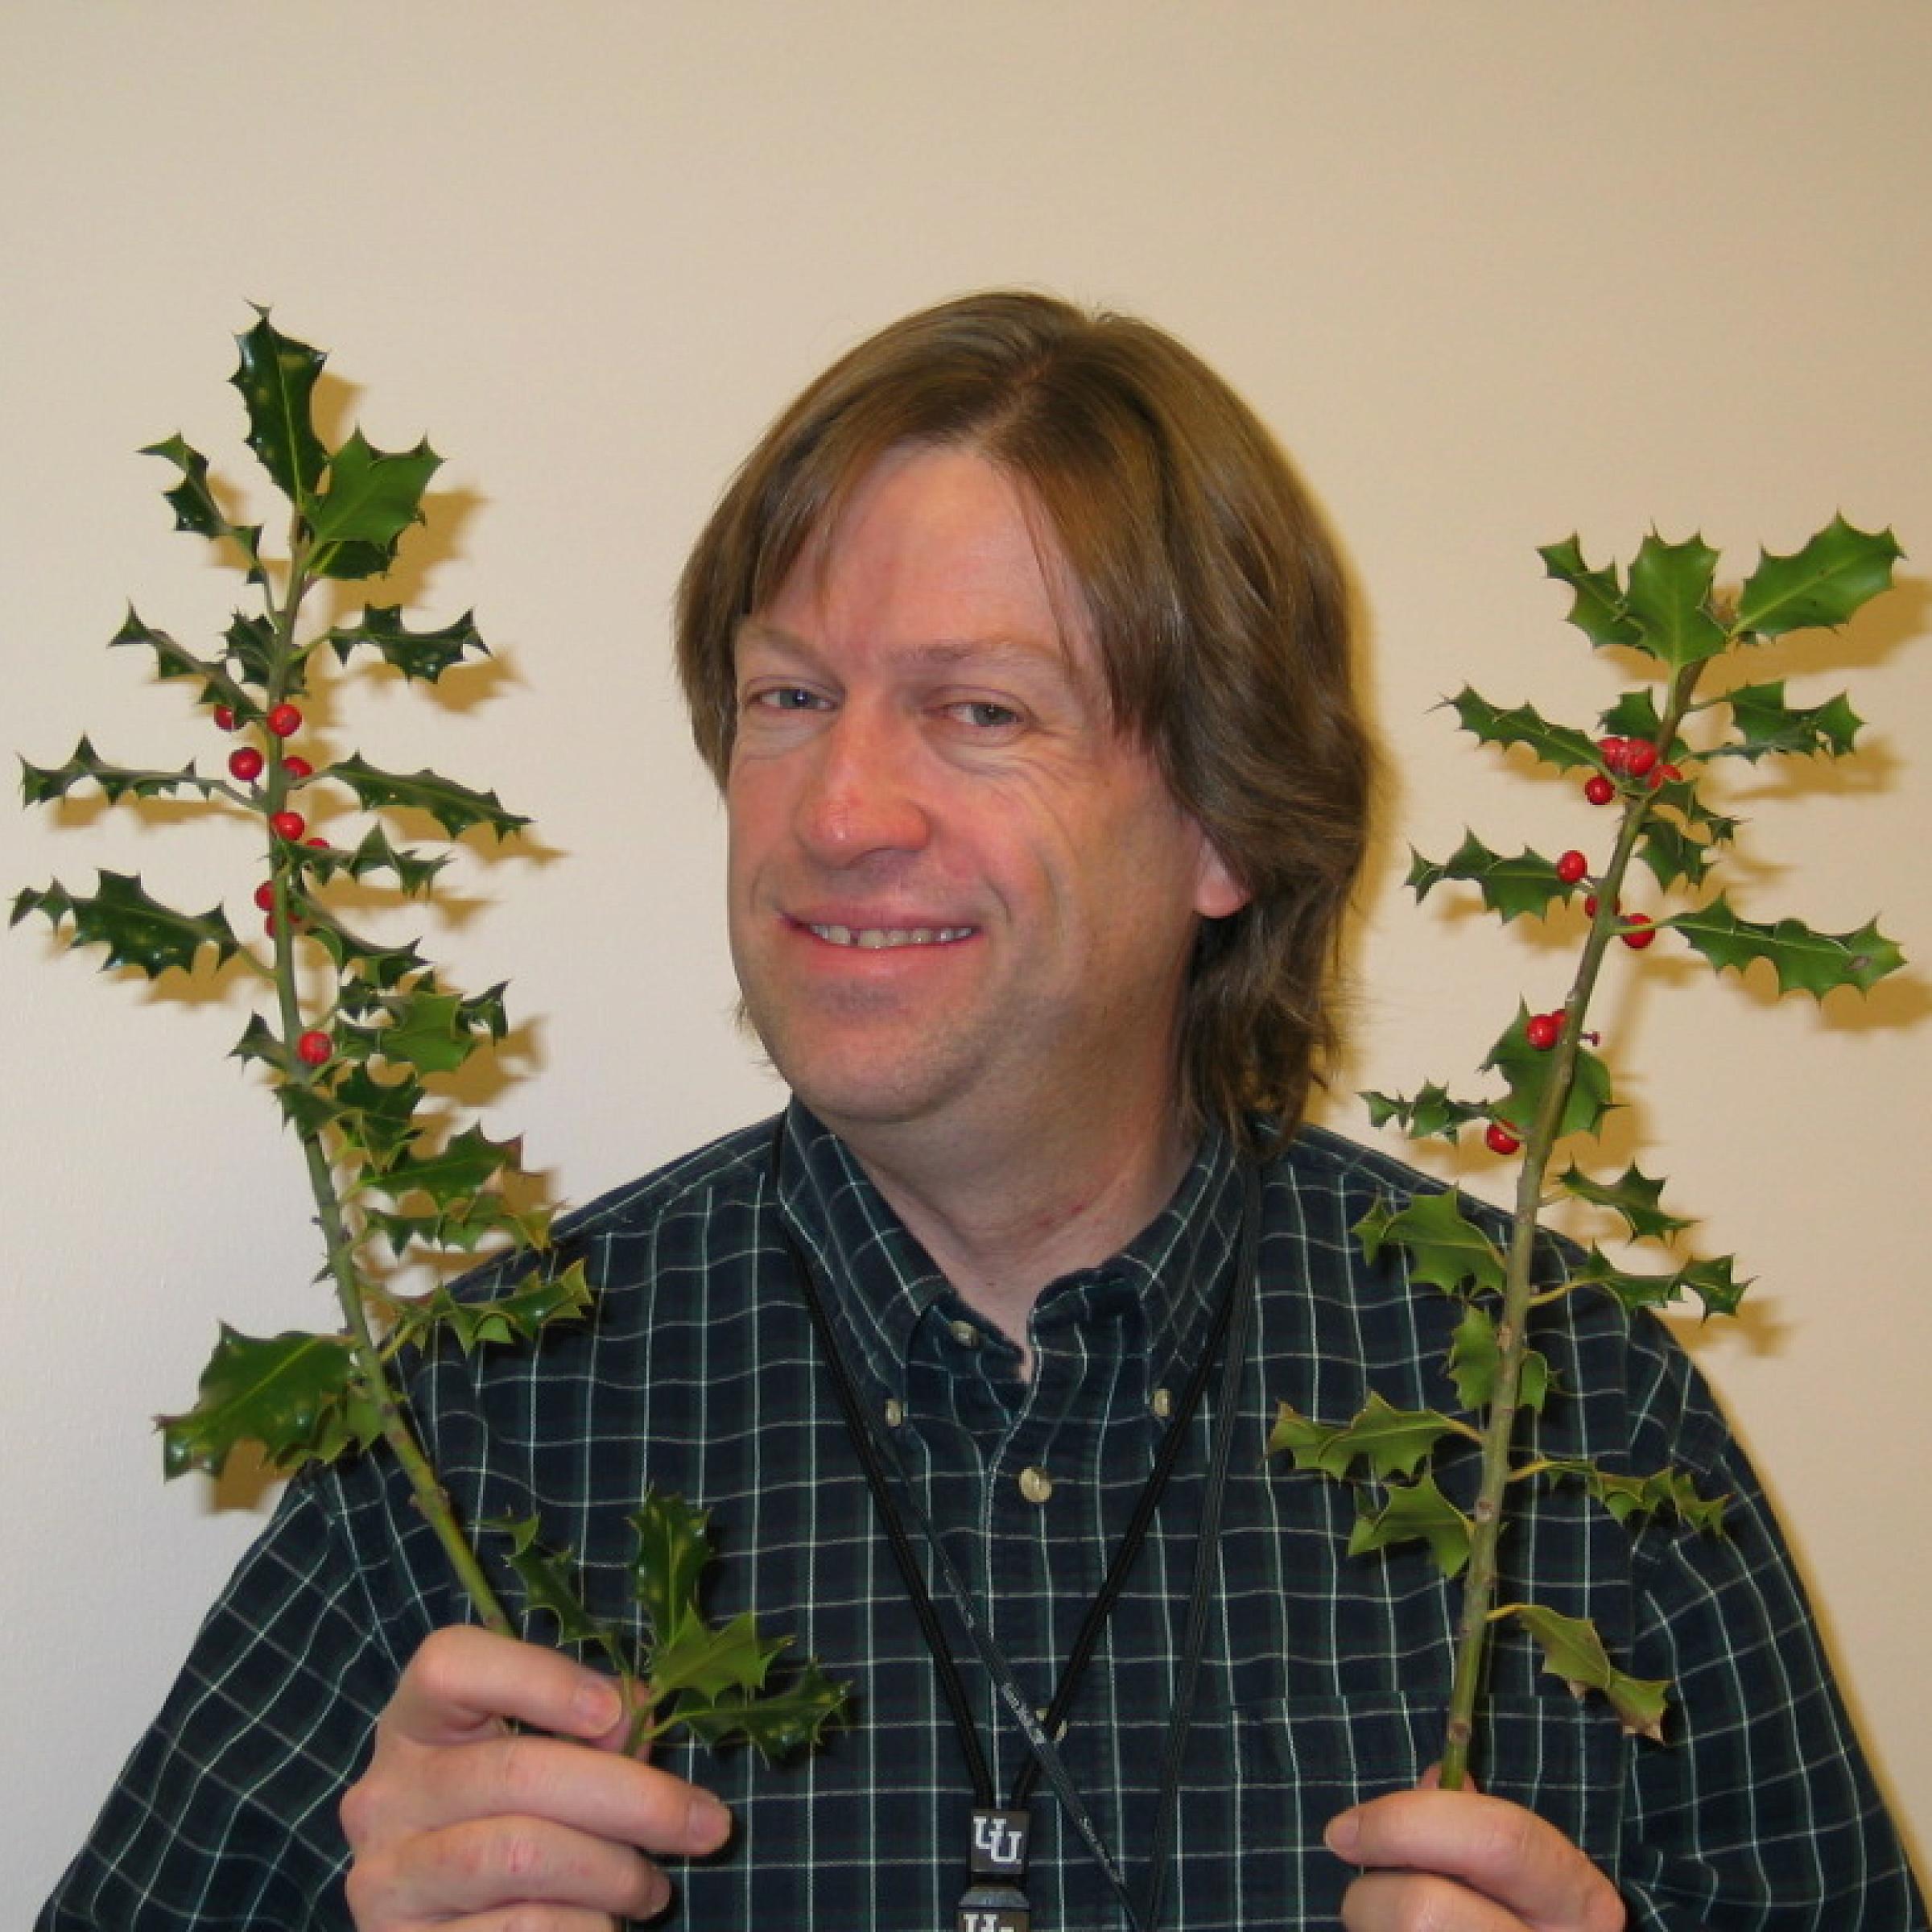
<point x="460" y="1821"/>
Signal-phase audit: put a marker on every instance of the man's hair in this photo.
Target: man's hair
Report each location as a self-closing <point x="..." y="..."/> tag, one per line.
<point x="1213" y="594"/>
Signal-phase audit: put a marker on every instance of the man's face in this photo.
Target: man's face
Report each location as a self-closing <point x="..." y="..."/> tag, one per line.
<point x="959" y="898"/>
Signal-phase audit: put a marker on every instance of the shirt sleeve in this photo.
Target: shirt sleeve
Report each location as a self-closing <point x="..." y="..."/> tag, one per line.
<point x="226" y="1815"/>
<point x="1760" y="1815"/>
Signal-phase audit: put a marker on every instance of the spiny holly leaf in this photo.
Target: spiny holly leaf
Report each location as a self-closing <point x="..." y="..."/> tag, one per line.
<point x="1597" y="608"/>
<point x="1633" y="1497"/>
<point x="373" y="496"/>
<point x="417" y="654"/>
<point x="455" y="808"/>
<point x="1633" y="1195"/>
<point x="549" y="1580"/>
<point x="1475" y="1355"/>
<point x="532" y="1305"/>
<point x="175" y="660"/>
<point x="727" y="1664"/>
<point x="673" y="1548"/>
<point x="296" y="1395"/>
<point x="413" y="873"/>
<point x="463" y="1228"/>
<point x="194" y="503"/>
<point x="1529" y="1070"/>
<point x="277" y="378"/>
<point x="779" y="1721"/>
<point x="1823" y="583"/>
<point x="1510" y="886"/>
<point x="1674" y="856"/>
<point x="1416" y="1512"/>
<point x="42" y="784"/>
<point x="426" y="1032"/>
<point x="467" y="1164"/>
<point x="138" y="931"/>
<point x="1634" y="715"/>
<point x="370" y="961"/>
<point x="1431" y="1114"/>
<point x="1558" y="745"/>
<point x="1573" y="1651"/>
<point x="1395" y="1442"/>
<point x="1766" y="724"/>
<point x="261" y="1042"/>
<point x="1446" y="1250"/>
<point x="1669" y="595"/>
<point x="1710" y="1281"/>
<point x="378" y="1117"/>
<point x="251" y="649"/>
<point x="1805" y="961"/>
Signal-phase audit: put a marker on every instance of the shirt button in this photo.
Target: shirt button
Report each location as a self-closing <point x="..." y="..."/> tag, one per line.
<point x="895" y="1412"/>
<point x="966" y="1335"/>
<point x="1162" y="1404"/>
<point x="1036" y="1485"/>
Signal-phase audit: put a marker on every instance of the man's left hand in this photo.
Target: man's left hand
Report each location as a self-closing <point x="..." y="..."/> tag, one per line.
<point x="1455" y="1861"/>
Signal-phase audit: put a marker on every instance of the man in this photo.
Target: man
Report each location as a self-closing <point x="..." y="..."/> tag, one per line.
<point x="1022" y="660"/>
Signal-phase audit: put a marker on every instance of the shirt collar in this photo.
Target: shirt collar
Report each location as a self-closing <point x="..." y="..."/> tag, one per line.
<point x="881" y="1282"/>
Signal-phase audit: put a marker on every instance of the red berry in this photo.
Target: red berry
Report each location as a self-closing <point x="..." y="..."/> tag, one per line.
<point x="224" y="717"/>
<point x="1664" y="774"/>
<point x="1640" y="756"/>
<point x="1570" y="866"/>
<point x="1642" y="932"/>
<point x="265" y="896"/>
<point x="314" y="1047"/>
<point x="1499" y="1139"/>
<point x="1590" y="906"/>
<point x="1599" y="789"/>
<point x="322" y="843"/>
<point x="245" y="764"/>
<point x="1613" y="752"/>
<point x="298" y="767"/>
<point x="290" y="825"/>
<point x="1542" y="1030"/>
<point x="285" y="720"/>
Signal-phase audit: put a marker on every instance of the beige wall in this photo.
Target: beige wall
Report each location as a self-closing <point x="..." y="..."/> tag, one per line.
<point x="1495" y="271"/>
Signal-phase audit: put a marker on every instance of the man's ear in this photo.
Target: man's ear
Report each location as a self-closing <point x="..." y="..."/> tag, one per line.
<point x="1217" y="892"/>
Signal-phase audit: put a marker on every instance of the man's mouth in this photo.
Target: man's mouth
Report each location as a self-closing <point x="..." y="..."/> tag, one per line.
<point x="878" y="938"/>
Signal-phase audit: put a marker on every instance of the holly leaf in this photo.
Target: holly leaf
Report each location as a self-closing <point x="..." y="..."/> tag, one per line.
<point x="464" y="1226"/>
<point x="1632" y="1498"/>
<point x="296" y="1395"/>
<point x="193" y="502"/>
<point x="378" y="1117"/>
<point x="1529" y="1070"/>
<point x="373" y="496"/>
<point x="1475" y="1355"/>
<point x="455" y="808"/>
<point x="1415" y="1512"/>
<point x="1766" y="724"/>
<point x="370" y="961"/>
<point x="1634" y="1196"/>
<point x="136" y="930"/>
<point x="466" y="1165"/>
<point x="1510" y="886"/>
<point x="1822" y="583"/>
<point x="412" y="873"/>
<point x="1710" y="1281"/>
<point x="1673" y="856"/>
<point x="1669" y="596"/>
<point x="417" y="654"/>
<point x="426" y="1032"/>
<point x="672" y="1549"/>
<point x="175" y="660"/>
<point x="1445" y="1249"/>
<point x="777" y="1722"/>
<point x="1558" y="745"/>
<point x="519" y="1315"/>
<point x="1394" y="1441"/>
<point x="549" y="1579"/>
<point x="251" y="649"/>
<point x="1804" y="961"/>
<point x="277" y="378"/>
<point x="1573" y="1651"/>
<point x="42" y="784"/>
<point x="1635" y="715"/>
<point x="1597" y="608"/>
<point x="1432" y="1113"/>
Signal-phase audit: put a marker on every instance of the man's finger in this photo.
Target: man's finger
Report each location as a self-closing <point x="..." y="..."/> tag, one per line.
<point x="1499" y="1850"/>
<point x="462" y="1682"/>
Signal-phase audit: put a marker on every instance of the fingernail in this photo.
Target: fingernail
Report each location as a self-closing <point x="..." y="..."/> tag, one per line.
<point x="1344" y="1836"/>
<point x="595" y="1705"/>
<point x="707" y="1823"/>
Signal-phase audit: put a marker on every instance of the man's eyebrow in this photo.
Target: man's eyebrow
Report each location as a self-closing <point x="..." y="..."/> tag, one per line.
<point x="937" y="653"/>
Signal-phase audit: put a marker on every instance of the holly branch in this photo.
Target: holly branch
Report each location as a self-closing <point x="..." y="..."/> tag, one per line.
<point x="1657" y="757"/>
<point x="357" y="1033"/>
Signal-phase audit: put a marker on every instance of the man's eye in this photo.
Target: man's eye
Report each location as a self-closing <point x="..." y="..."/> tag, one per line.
<point x="785" y="697"/>
<point x="983" y="715"/>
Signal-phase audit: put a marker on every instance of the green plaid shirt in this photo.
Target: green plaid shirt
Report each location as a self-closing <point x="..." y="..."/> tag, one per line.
<point x="1324" y="1676"/>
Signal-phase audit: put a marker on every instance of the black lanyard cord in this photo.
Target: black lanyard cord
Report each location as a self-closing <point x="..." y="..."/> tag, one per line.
<point x="1231" y="1324"/>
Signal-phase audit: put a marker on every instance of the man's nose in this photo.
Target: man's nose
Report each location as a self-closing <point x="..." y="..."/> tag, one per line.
<point x="863" y="794"/>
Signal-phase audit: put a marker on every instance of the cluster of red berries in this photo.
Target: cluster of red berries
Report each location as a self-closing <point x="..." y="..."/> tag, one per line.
<point x="1629" y="758"/>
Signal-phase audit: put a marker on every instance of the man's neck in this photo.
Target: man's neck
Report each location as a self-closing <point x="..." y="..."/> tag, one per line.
<point x="1002" y="1223"/>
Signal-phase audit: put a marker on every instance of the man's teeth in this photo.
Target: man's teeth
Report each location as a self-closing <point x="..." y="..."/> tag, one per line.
<point x="874" y="938"/>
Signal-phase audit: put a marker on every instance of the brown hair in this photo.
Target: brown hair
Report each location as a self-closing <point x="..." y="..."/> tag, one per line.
<point x="1213" y="593"/>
